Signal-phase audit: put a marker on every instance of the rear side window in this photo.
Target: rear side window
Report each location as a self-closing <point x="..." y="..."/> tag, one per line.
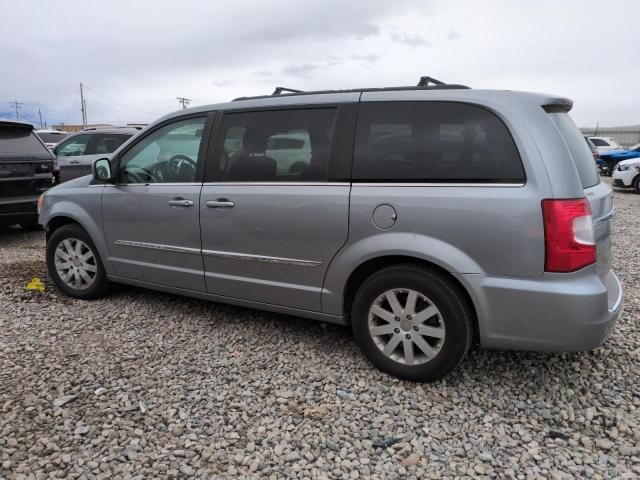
<point x="598" y="142"/>
<point x="19" y="140"/>
<point x="580" y="152"/>
<point x="52" y="137"/>
<point x="275" y="146"/>
<point x="433" y="142"/>
<point x="103" y="143"/>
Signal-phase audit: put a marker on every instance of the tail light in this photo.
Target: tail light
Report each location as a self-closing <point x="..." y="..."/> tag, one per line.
<point x="568" y="233"/>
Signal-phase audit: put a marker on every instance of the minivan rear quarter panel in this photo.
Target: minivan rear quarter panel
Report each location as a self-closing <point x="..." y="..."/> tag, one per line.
<point x="472" y="228"/>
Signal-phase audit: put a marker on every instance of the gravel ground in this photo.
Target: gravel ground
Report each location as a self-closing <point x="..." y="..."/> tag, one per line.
<point x="149" y="385"/>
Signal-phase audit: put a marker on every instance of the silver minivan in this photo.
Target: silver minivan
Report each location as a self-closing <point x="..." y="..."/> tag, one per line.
<point x="423" y="217"/>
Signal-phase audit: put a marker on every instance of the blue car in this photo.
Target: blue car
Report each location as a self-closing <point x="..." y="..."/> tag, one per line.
<point x="611" y="159"/>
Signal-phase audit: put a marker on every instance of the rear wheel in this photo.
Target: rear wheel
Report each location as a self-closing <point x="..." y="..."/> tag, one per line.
<point x="412" y="323"/>
<point x="74" y="264"/>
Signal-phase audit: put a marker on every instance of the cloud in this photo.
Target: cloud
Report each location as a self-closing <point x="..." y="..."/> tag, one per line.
<point x="453" y="35"/>
<point x="136" y="57"/>
<point x="413" y="40"/>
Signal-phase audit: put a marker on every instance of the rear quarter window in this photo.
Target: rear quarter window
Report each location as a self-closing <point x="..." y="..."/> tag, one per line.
<point x="580" y="152"/>
<point x="433" y="142"/>
<point x="18" y="140"/>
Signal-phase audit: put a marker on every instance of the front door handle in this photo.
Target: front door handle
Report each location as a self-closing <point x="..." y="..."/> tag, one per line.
<point x="220" y="203"/>
<point x="74" y="162"/>
<point x="181" y="202"/>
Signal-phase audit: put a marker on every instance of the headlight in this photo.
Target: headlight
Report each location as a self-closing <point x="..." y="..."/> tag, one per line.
<point x="623" y="168"/>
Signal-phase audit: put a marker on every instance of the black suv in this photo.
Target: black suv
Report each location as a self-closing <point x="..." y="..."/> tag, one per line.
<point x="26" y="170"/>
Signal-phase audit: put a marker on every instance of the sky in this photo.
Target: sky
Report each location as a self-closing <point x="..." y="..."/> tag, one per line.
<point x="136" y="57"/>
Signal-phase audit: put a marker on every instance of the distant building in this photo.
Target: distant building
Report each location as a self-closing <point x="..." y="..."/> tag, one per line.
<point x="73" y="128"/>
<point x="625" y="136"/>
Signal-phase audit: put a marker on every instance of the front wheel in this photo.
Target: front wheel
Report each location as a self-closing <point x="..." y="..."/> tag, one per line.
<point x="412" y="323"/>
<point x="636" y="184"/>
<point x="74" y="264"/>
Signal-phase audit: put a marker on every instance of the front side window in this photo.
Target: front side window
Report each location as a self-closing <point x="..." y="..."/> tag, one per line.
<point x="168" y="155"/>
<point x="106" y="143"/>
<point x="433" y="142"/>
<point x="73" y="147"/>
<point x="275" y="146"/>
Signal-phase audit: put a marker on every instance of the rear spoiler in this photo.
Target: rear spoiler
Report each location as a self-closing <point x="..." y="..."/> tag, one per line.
<point x="558" y="105"/>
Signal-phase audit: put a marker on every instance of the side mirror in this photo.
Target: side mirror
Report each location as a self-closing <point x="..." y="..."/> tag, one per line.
<point x="102" y="170"/>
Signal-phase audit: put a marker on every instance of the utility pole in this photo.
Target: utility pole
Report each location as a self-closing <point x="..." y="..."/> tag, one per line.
<point x="83" y="107"/>
<point x="17" y="105"/>
<point x="40" y="115"/>
<point x="184" y="102"/>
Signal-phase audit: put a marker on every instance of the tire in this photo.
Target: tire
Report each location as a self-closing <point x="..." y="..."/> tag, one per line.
<point x="453" y="323"/>
<point x="636" y="184"/>
<point x="92" y="267"/>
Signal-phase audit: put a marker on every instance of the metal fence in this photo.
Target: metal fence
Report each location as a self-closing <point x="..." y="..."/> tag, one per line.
<point x="625" y="136"/>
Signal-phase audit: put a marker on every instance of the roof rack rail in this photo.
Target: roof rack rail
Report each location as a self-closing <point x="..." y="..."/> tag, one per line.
<point x="279" y="90"/>
<point x="425" y="81"/>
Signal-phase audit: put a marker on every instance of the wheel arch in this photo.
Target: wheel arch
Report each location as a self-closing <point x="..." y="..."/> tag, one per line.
<point x="59" y="219"/>
<point x="373" y="265"/>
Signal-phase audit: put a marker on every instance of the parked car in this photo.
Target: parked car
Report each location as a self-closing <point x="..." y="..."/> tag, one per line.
<point x="602" y="166"/>
<point x="605" y="144"/>
<point x="51" y="137"/>
<point x="611" y="159"/>
<point x="423" y="217"/>
<point x="26" y="170"/>
<point x="626" y="174"/>
<point x="77" y="152"/>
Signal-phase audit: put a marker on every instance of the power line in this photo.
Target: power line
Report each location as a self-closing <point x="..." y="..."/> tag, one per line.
<point x="110" y="107"/>
<point x="184" y="102"/>
<point x="66" y="120"/>
<point x="118" y="103"/>
<point x="17" y="105"/>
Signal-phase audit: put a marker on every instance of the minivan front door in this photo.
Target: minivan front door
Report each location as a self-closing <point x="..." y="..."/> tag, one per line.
<point x="151" y="214"/>
<point x="271" y="221"/>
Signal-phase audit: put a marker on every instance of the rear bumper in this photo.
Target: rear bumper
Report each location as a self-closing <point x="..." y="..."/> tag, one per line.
<point x="557" y="312"/>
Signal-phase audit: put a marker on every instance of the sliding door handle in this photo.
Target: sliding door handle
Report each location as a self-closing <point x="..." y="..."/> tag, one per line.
<point x="181" y="202"/>
<point x="220" y="203"/>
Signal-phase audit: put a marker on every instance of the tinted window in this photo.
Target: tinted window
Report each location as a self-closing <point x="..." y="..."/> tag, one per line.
<point x="52" y="137"/>
<point x="104" y="143"/>
<point x="168" y="155"/>
<point x="433" y="142"/>
<point x="19" y="140"/>
<point x="599" y="142"/>
<point x="275" y="146"/>
<point x="73" y="147"/>
<point x="582" y="156"/>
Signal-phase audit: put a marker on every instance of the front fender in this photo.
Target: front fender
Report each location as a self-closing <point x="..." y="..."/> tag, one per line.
<point x="88" y="215"/>
<point x="405" y="244"/>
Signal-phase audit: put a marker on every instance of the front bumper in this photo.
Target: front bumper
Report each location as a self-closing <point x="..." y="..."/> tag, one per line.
<point x="618" y="183"/>
<point x="557" y="312"/>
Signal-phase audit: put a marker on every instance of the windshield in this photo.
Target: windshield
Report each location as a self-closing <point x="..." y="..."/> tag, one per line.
<point x="580" y="152"/>
<point x="52" y="137"/>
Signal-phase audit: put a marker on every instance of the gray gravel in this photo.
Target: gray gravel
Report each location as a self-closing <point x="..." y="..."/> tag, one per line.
<point x="148" y="385"/>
